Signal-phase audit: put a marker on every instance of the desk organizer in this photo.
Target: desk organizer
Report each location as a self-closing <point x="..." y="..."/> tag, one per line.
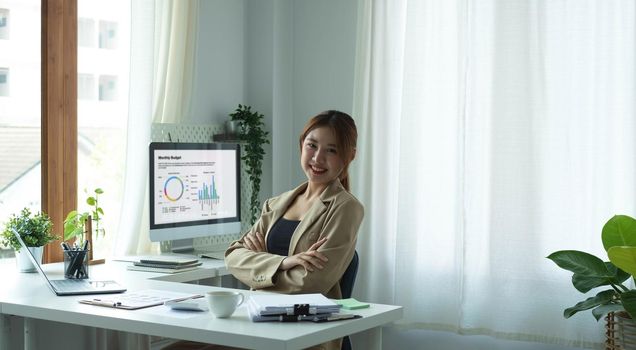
<point x="76" y="264"/>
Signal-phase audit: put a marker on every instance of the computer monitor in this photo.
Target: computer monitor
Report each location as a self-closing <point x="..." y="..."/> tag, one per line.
<point x="194" y="190"/>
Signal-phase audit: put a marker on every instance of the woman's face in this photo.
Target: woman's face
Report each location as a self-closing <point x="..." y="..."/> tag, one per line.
<point x="319" y="157"/>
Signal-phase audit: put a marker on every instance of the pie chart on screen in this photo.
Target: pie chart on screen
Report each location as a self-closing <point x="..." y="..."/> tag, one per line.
<point x="173" y="188"/>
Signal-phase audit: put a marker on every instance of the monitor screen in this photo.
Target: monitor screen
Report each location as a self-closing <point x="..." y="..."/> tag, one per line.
<point x="194" y="190"/>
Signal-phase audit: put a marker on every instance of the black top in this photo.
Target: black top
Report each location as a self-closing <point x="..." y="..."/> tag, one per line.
<point x="280" y="236"/>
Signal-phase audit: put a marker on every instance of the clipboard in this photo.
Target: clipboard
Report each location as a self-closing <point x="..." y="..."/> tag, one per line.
<point x="139" y="299"/>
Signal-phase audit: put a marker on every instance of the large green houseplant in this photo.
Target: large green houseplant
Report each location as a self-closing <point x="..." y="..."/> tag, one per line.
<point x="619" y="241"/>
<point x="251" y="132"/>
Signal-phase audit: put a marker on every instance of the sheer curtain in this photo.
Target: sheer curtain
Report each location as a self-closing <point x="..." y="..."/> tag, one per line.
<point x="163" y="39"/>
<point x="491" y="134"/>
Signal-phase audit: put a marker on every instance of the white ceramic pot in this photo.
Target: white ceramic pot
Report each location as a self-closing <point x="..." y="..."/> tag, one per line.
<point x="22" y="259"/>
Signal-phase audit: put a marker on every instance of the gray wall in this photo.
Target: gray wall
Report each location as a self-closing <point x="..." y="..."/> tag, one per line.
<point x="324" y="44"/>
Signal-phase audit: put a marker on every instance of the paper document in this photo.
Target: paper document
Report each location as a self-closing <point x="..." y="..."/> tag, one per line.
<point x="139" y="299"/>
<point x="283" y="304"/>
<point x="160" y="269"/>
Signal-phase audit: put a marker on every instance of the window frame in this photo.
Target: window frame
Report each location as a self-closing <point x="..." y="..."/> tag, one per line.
<point x="59" y="114"/>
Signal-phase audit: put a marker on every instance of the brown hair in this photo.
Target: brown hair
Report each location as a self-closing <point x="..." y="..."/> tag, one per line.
<point x="344" y="128"/>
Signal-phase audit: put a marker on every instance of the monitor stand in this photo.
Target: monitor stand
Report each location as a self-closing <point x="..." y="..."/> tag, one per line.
<point x="186" y="246"/>
<point x="182" y="245"/>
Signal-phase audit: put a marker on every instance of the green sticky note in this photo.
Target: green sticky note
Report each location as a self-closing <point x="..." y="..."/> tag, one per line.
<point x="351" y="304"/>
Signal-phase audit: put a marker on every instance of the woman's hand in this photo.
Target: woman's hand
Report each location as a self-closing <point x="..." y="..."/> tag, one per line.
<point x="255" y="241"/>
<point x="310" y="259"/>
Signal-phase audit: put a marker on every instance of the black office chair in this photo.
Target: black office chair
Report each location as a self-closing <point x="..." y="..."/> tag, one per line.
<point x="347" y="281"/>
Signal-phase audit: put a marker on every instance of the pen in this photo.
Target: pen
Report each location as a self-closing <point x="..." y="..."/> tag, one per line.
<point x="106" y="303"/>
<point x="336" y="317"/>
<point x="333" y="317"/>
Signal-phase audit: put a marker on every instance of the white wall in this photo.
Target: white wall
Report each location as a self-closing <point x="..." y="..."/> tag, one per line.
<point x="219" y="76"/>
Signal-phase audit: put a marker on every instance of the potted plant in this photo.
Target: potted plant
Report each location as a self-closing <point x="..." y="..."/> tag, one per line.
<point x="77" y="224"/>
<point x="35" y="231"/>
<point x="619" y="240"/>
<point x="251" y="132"/>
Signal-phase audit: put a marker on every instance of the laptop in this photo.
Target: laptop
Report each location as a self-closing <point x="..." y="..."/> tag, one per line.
<point x="73" y="286"/>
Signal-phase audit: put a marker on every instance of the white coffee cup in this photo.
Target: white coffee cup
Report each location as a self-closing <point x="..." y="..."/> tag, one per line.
<point x="223" y="303"/>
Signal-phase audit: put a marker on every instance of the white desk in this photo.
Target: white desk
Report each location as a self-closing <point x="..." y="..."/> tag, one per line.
<point x="26" y="296"/>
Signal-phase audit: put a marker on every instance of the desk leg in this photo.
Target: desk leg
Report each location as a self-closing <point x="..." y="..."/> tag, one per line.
<point x="5" y="332"/>
<point x="29" y="334"/>
<point x="369" y="339"/>
<point x="133" y="341"/>
<point x="97" y="338"/>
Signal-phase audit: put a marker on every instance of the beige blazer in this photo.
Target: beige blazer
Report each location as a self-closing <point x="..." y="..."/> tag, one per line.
<point x="337" y="216"/>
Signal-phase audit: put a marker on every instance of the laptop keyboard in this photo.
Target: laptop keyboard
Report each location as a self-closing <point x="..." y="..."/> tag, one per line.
<point x="70" y="285"/>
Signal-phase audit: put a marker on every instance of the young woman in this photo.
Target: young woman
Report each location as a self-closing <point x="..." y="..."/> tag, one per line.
<point x="305" y="238"/>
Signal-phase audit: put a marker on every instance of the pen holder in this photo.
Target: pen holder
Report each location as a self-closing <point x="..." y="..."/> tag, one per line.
<point x="76" y="264"/>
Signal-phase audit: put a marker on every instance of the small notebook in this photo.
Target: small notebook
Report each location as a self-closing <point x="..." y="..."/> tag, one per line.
<point x="352" y="304"/>
<point x="140" y="299"/>
<point x="168" y="260"/>
<point x="166" y="266"/>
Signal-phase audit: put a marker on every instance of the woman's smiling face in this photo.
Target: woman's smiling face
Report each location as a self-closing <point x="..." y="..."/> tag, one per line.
<point x="319" y="158"/>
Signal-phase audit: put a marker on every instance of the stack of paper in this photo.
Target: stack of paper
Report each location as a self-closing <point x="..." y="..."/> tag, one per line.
<point x="165" y="264"/>
<point x="294" y="307"/>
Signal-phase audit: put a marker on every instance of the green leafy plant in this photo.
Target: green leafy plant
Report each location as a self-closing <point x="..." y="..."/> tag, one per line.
<point x="252" y="133"/>
<point x="35" y="230"/>
<point x="619" y="241"/>
<point x="75" y="221"/>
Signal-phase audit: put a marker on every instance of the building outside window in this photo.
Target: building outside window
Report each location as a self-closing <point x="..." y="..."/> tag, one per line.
<point x="20" y="110"/>
<point x="102" y="113"/>
<point x="86" y="86"/>
<point x="107" y="88"/>
<point x="107" y="35"/>
<point x="86" y="32"/>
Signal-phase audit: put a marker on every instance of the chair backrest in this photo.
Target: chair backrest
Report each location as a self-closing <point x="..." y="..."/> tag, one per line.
<point x="347" y="281"/>
<point x="348" y="278"/>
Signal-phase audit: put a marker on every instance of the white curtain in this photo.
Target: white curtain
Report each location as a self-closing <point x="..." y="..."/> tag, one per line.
<point x="163" y="39"/>
<point x="175" y="48"/>
<point x="492" y="133"/>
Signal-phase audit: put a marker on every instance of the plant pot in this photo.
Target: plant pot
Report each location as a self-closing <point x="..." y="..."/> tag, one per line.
<point x="23" y="262"/>
<point x="232" y="127"/>
<point x="620" y="331"/>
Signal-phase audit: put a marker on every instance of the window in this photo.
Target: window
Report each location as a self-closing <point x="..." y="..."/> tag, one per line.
<point x="103" y="109"/>
<point x="4" y="81"/>
<point x="86" y="87"/>
<point x="107" y="35"/>
<point x="20" y="111"/>
<point x="107" y="88"/>
<point x="85" y="32"/>
<point x="4" y="23"/>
